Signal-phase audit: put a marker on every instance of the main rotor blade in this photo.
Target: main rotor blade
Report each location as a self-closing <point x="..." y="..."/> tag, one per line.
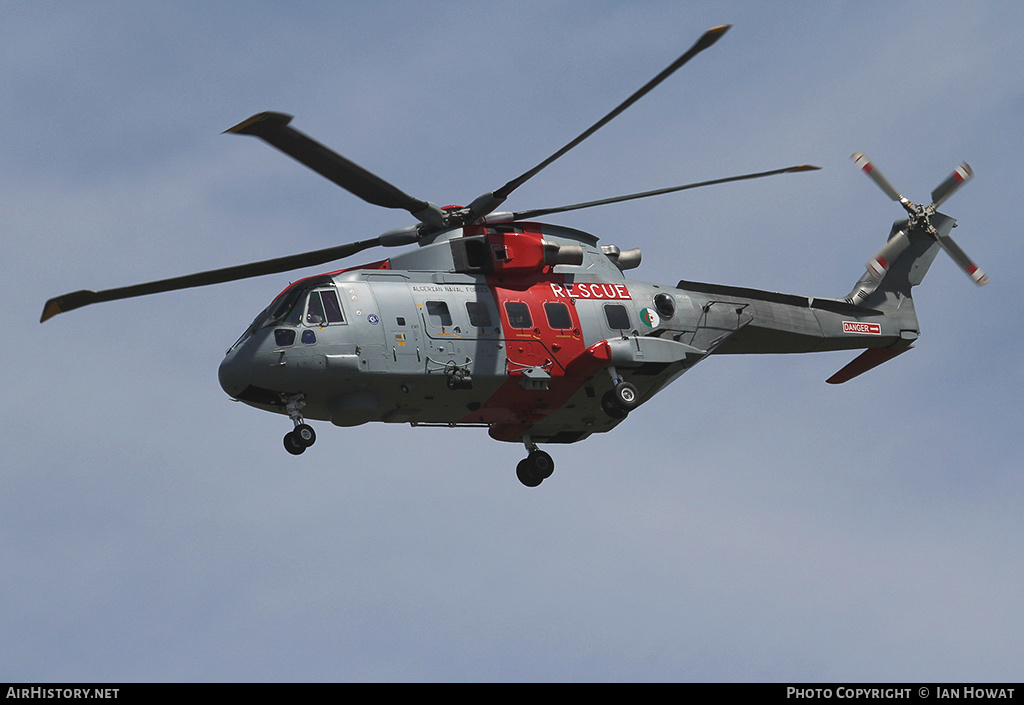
<point x="538" y="212"/>
<point x="947" y="188"/>
<point x="883" y="183"/>
<point x="77" y="299"/>
<point x="488" y="202"/>
<point x="274" y="129"/>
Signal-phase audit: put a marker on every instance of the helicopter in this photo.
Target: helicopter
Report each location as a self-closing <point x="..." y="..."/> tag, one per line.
<point x="528" y="329"/>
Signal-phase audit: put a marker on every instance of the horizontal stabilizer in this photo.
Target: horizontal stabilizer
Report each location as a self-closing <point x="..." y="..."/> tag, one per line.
<point x="867" y="360"/>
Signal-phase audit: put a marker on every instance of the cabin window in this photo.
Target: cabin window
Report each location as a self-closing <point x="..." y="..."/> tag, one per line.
<point x="518" y="314"/>
<point x="479" y="314"/>
<point x="617" y="316"/>
<point x="558" y="316"/>
<point x="438" y="314"/>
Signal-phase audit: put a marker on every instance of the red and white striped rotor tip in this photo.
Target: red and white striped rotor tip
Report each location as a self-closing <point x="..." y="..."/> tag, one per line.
<point x="947" y="188"/>
<point x="862" y="161"/>
<point x="866" y="165"/>
<point x="878" y="266"/>
<point x="978" y="276"/>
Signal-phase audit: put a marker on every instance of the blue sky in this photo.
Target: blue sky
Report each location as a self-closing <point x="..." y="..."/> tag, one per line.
<point x="751" y="523"/>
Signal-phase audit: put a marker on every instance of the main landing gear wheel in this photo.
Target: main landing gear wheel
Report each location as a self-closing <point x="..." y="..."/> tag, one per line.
<point x="611" y="407"/>
<point x="626" y="396"/>
<point x="622" y="399"/>
<point x="535" y="468"/>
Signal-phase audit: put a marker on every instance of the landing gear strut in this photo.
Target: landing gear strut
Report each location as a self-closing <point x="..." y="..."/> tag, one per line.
<point x="535" y="467"/>
<point x="302" y="436"/>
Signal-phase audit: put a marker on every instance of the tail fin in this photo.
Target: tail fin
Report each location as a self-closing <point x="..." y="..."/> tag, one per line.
<point x="902" y="263"/>
<point x="886" y="286"/>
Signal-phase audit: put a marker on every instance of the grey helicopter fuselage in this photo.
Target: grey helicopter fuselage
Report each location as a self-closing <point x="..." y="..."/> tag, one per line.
<point x="436" y="336"/>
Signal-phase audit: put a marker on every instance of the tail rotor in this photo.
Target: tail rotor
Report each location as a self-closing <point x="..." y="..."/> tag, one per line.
<point x="920" y="221"/>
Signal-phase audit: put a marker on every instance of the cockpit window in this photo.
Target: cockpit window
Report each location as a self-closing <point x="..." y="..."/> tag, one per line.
<point x="285" y="310"/>
<point x="332" y="307"/>
<point x="323" y="308"/>
<point x="315" y="310"/>
<point x="314" y="302"/>
<point x="280" y="312"/>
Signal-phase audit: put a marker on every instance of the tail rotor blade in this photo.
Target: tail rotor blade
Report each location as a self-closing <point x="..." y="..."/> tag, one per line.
<point x="947" y="188"/>
<point x="962" y="260"/>
<point x="868" y="168"/>
<point x="879" y="264"/>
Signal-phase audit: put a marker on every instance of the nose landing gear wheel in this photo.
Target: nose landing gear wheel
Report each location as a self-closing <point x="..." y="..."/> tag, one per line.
<point x="305" y="434"/>
<point x="535" y="468"/>
<point x="301" y="437"/>
<point x="293" y="444"/>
